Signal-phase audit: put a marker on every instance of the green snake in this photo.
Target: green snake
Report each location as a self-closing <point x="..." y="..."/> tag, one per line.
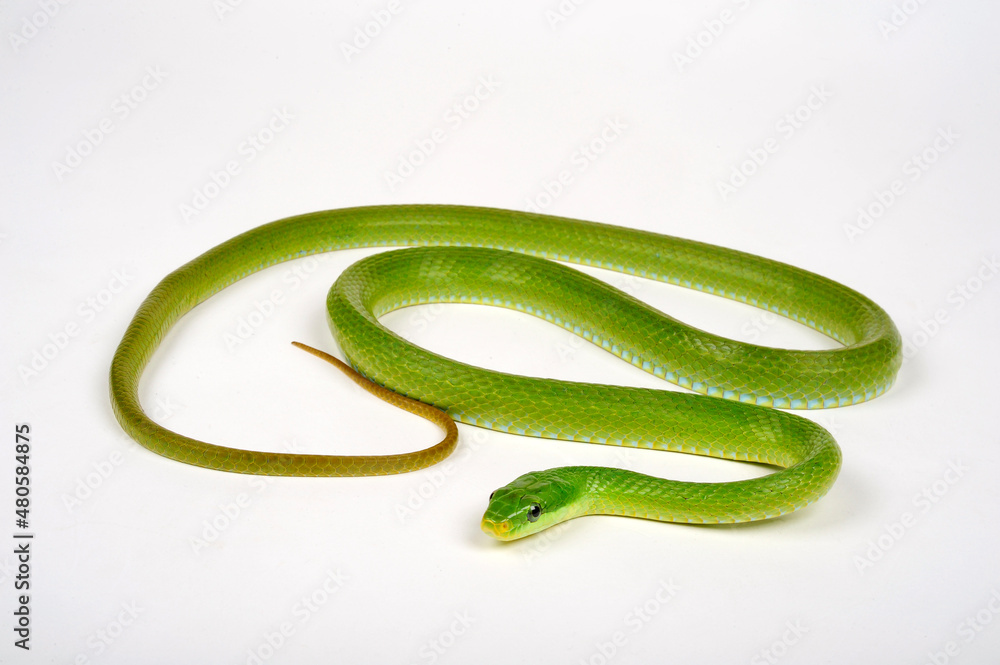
<point x="509" y="259"/>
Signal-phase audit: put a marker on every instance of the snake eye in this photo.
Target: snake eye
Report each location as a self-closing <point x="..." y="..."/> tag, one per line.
<point x="491" y="494"/>
<point x="534" y="511"/>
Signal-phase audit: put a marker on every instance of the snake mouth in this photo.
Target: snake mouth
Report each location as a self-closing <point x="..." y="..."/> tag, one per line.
<point x="499" y="530"/>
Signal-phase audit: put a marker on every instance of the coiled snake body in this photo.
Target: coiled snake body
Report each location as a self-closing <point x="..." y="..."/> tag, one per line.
<point x="499" y="257"/>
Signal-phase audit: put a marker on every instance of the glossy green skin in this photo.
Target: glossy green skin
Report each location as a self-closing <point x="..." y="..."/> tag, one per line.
<point x="749" y="378"/>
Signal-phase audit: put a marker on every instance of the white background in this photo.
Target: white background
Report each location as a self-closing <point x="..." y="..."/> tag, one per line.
<point x="139" y="559"/>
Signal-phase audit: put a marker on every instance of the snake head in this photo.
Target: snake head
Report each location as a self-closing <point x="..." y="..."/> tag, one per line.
<point x="534" y="502"/>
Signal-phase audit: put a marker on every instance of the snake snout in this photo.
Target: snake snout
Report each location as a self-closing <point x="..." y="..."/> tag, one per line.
<point x="497" y="529"/>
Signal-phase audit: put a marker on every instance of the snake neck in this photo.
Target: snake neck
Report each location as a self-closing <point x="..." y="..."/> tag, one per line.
<point x="811" y="467"/>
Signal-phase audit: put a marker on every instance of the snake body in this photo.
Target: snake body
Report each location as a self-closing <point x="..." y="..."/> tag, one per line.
<point x="501" y="258"/>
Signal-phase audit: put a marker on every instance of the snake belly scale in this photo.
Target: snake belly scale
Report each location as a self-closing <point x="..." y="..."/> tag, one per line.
<point x="502" y="258"/>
